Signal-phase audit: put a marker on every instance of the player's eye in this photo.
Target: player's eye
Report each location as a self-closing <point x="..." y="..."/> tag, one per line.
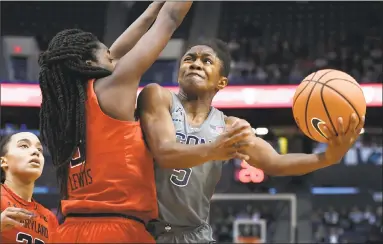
<point x="207" y="60"/>
<point x="24" y="146"/>
<point x="40" y="149"/>
<point x="187" y="59"/>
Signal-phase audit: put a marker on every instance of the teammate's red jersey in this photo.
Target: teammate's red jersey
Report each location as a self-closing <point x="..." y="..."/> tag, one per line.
<point x="37" y="230"/>
<point x="118" y="174"/>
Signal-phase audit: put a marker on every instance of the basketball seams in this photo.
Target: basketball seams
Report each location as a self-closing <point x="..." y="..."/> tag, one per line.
<point x="325" y="108"/>
<point x="355" y="84"/>
<point x="304" y="87"/>
<point x="308" y="98"/>
<point x="313" y="89"/>
<point x="345" y="98"/>
<point x="324" y="103"/>
<point x="308" y="83"/>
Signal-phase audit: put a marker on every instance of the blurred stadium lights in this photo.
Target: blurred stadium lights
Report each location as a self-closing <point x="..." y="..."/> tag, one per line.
<point x="261" y="131"/>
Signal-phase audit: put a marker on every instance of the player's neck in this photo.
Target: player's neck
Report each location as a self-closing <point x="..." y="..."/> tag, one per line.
<point x="22" y="189"/>
<point x="195" y="106"/>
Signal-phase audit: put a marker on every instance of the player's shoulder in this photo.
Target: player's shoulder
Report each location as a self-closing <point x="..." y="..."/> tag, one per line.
<point x="5" y="198"/>
<point x="156" y="89"/>
<point x="43" y="209"/>
<point x="6" y="201"/>
<point x="3" y="192"/>
<point x="155" y="93"/>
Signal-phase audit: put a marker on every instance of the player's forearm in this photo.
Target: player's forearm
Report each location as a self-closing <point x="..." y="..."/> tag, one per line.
<point x="293" y="164"/>
<point x="176" y="155"/>
<point x="175" y="11"/>
<point x="126" y="41"/>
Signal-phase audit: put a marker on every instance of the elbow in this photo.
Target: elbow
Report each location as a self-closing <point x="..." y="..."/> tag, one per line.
<point x="159" y="155"/>
<point x="161" y="160"/>
<point x="163" y="164"/>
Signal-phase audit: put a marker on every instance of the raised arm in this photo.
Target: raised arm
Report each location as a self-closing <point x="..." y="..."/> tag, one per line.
<point x="117" y="93"/>
<point x="126" y="41"/>
<point x="153" y="108"/>
<point x="263" y="156"/>
<point x="133" y="64"/>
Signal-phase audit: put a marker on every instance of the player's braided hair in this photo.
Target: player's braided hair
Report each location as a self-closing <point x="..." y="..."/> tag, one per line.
<point x="63" y="78"/>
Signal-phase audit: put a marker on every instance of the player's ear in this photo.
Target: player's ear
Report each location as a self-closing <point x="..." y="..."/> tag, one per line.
<point x="3" y="162"/>
<point x="222" y="83"/>
<point x="90" y="63"/>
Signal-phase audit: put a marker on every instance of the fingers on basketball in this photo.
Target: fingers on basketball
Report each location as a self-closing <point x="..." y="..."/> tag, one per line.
<point x="322" y="98"/>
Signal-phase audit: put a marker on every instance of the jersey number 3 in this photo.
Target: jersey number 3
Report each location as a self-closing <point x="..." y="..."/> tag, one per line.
<point x="27" y="239"/>
<point x="180" y="177"/>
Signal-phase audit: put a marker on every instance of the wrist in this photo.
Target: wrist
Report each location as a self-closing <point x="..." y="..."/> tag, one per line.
<point x="207" y="151"/>
<point x="324" y="158"/>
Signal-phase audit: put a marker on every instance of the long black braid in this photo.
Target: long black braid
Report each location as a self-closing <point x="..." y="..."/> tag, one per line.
<point x="63" y="78"/>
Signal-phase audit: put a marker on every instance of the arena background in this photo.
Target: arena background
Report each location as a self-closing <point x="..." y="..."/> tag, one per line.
<point x="274" y="45"/>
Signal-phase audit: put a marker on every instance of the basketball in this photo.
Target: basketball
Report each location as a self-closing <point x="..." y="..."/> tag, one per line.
<point x="323" y="97"/>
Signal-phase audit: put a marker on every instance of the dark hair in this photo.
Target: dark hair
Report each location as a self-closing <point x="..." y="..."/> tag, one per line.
<point x="3" y="151"/>
<point x="63" y="77"/>
<point x="221" y="49"/>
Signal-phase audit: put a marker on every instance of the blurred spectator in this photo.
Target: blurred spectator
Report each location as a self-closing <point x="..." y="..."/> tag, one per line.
<point x="331" y="217"/>
<point x="274" y="50"/>
<point x="367" y="150"/>
<point x="353" y="225"/>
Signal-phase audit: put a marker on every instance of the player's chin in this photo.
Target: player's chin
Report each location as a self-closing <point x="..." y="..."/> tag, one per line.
<point x="32" y="173"/>
<point x="195" y="85"/>
<point x="194" y="79"/>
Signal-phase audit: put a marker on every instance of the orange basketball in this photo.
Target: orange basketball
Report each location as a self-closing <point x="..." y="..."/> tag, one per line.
<point x="322" y="98"/>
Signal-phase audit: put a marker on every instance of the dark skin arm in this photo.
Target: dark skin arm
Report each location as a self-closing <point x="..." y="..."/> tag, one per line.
<point x="153" y="107"/>
<point x="263" y="156"/>
<point x="126" y="41"/>
<point x="117" y="93"/>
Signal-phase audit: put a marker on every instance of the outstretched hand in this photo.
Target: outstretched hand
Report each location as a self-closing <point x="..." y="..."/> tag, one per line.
<point x="338" y="145"/>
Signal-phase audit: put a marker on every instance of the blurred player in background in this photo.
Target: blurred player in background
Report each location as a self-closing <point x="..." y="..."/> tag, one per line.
<point x="87" y="121"/>
<point x="190" y="141"/>
<point x="23" y="220"/>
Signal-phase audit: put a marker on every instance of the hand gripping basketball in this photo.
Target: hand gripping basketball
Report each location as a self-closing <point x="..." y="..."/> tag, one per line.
<point x="338" y="145"/>
<point x="11" y="217"/>
<point x="233" y="142"/>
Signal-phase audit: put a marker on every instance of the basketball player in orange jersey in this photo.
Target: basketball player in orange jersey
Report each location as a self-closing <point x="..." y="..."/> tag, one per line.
<point x="185" y="172"/>
<point x="23" y="220"/>
<point x="87" y="121"/>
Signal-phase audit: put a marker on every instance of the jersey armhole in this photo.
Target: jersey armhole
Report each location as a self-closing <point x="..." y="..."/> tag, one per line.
<point x="172" y="101"/>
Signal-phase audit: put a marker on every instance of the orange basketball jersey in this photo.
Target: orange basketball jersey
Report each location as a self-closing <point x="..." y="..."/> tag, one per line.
<point x="37" y="230"/>
<point x="117" y="175"/>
